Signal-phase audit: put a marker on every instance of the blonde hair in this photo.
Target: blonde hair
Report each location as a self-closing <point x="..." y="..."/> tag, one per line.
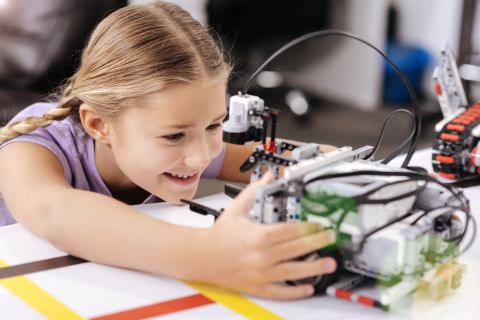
<point x="135" y="51"/>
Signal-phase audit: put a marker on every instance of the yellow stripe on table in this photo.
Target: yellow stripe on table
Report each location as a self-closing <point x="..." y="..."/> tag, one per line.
<point x="38" y="299"/>
<point x="53" y="309"/>
<point x="234" y="301"/>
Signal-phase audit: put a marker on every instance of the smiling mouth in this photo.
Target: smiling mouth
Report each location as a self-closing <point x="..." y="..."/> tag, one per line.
<point x="182" y="179"/>
<point x="179" y="175"/>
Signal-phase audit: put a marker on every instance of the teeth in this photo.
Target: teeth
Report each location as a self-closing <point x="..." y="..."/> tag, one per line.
<point x="181" y="176"/>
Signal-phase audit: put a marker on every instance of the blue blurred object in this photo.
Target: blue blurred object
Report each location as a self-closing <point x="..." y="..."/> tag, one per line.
<point x="413" y="62"/>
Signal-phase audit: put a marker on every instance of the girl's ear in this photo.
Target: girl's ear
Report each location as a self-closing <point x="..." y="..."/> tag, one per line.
<point x="94" y="124"/>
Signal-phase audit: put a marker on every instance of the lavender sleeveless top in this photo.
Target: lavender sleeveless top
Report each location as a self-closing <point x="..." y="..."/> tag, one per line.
<point x="74" y="148"/>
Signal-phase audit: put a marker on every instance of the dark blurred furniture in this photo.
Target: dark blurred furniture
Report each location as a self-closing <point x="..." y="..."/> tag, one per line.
<point x="247" y="21"/>
<point x="40" y="43"/>
<point x="246" y="25"/>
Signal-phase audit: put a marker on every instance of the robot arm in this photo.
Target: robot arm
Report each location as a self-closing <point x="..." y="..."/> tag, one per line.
<point x="456" y="152"/>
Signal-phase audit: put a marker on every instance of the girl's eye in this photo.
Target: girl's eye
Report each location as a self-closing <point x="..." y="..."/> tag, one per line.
<point x="174" y="137"/>
<point x="214" y="126"/>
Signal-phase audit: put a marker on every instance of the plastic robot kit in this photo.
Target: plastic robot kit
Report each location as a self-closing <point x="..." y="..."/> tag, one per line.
<point x="456" y="150"/>
<point x="393" y="225"/>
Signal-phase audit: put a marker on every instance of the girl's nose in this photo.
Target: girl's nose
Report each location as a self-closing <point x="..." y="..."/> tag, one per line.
<point x="197" y="154"/>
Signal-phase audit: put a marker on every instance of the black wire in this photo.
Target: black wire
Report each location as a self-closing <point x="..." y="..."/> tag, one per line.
<point x="418" y="116"/>
<point x="460" y="238"/>
<point x="411" y="175"/>
<point x="380" y="136"/>
<point x="399" y="149"/>
<point x="427" y="212"/>
<point x="464" y="206"/>
<point x="363" y="199"/>
<point x="419" y="170"/>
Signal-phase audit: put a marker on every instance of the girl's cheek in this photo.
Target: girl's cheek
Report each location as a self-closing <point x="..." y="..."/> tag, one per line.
<point x="216" y="144"/>
<point x="149" y="158"/>
<point x="164" y="158"/>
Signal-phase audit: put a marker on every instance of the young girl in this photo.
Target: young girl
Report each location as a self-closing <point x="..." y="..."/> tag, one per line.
<point x="141" y="119"/>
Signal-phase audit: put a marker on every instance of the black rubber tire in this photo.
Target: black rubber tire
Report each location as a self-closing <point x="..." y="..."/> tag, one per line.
<point x="326" y="279"/>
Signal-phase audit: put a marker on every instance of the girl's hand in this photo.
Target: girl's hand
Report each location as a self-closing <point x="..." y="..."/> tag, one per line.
<point x="253" y="258"/>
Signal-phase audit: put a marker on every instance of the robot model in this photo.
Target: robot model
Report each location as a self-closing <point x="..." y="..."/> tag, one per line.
<point x="393" y="225"/>
<point x="456" y="150"/>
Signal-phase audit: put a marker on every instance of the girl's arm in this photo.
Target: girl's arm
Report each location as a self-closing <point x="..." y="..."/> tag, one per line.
<point x="236" y="155"/>
<point x="234" y="253"/>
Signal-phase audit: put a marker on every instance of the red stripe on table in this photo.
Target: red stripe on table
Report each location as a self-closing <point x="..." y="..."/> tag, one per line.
<point x="159" y="309"/>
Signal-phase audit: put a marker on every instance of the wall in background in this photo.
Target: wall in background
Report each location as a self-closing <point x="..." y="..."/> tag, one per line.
<point x="351" y="74"/>
<point x="429" y="24"/>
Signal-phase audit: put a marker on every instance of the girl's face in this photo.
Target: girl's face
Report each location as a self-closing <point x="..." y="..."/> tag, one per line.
<point x="166" y="143"/>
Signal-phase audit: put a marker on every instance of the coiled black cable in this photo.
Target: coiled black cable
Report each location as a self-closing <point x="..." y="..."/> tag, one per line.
<point x="317" y="34"/>
<point x="464" y="205"/>
<point x="380" y="137"/>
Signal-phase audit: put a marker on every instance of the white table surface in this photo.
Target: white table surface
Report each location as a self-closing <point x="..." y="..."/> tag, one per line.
<point x="93" y="290"/>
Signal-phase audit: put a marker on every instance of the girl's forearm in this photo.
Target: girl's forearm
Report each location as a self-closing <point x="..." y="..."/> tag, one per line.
<point x="91" y="225"/>
<point x="234" y="253"/>
<point x="104" y="230"/>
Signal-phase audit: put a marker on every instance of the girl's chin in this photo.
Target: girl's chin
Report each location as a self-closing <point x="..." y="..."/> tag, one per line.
<point x="174" y="198"/>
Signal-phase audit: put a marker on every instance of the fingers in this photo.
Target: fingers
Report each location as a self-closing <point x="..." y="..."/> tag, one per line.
<point x="303" y="245"/>
<point x="283" y="231"/>
<point x="304" y="227"/>
<point x="283" y="292"/>
<point x="433" y="175"/>
<point x="243" y="202"/>
<point x="296" y="270"/>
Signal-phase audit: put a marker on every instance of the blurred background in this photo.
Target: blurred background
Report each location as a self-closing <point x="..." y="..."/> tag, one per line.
<point x="330" y="90"/>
